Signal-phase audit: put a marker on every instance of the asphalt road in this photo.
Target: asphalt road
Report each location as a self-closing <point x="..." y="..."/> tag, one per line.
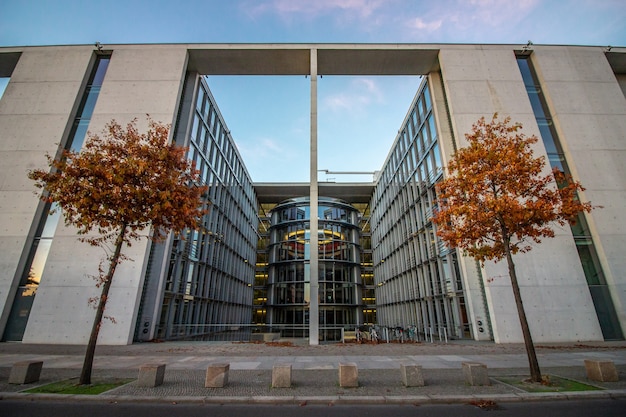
<point x="582" y="408"/>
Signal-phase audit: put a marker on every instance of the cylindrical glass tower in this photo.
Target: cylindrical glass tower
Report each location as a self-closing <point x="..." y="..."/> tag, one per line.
<point x="340" y="286"/>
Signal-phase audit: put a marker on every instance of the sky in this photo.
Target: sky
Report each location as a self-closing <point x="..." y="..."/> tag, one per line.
<point x="358" y="117"/>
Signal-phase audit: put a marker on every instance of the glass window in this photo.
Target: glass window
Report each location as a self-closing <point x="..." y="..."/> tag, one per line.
<point x="200" y="101"/>
<point x="534" y="94"/>
<point x="420" y="108"/>
<point x="526" y="74"/>
<point x="416" y="121"/>
<point x="3" y="85"/>
<point x="545" y="129"/>
<point x="103" y="64"/>
<point x="436" y="156"/>
<point x="426" y="94"/>
<point x="432" y="128"/>
<point x="90" y="101"/>
<point x="80" y="133"/>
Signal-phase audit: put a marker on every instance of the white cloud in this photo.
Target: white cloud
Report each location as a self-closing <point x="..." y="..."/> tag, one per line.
<point x="419" y="24"/>
<point x="314" y="8"/>
<point x="356" y="97"/>
<point x="450" y="18"/>
<point x="261" y="148"/>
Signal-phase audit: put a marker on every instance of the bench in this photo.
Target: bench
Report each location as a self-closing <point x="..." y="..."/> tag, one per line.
<point x="348" y="336"/>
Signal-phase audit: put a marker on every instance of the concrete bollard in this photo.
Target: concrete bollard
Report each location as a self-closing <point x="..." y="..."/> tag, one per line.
<point x="217" y="375"/>
<point x="603" y="371"/>
<point x="475" y="373"/>
<point x="348" y="375"/>
<point x="151" y="375"/>
<point x="25" y="372"/>
<point x="281" y="376"/>
<point x="412" y="375"/>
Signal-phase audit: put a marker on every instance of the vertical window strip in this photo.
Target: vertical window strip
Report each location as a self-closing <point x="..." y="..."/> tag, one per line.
<point x="587" y="253"/>
<point x="31" y="275"/>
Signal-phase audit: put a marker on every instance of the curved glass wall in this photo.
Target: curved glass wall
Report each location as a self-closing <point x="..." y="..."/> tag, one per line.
<point x="289" y="290"/>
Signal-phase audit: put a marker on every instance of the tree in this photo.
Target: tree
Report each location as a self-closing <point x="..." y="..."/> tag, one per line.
<point x="496" y="200"/>
<point x="120" y="187"/>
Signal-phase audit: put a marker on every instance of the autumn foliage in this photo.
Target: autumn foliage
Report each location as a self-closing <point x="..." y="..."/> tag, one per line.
<point x="120" y="185"/>
<point x="497" y="197"/>
<point x="124" y="178"/>
<point x="497" y="200"/>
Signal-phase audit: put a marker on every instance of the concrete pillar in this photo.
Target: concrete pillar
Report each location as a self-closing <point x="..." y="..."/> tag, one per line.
<point x="313" y="195"/>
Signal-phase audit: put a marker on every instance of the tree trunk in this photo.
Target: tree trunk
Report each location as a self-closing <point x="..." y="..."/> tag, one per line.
<point x="535" y="372"/>
<point x="85" y="375"/>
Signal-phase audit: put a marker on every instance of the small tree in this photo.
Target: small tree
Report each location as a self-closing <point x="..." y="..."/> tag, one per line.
<point x="116" y="188"/>
<point x="496" y="199"/>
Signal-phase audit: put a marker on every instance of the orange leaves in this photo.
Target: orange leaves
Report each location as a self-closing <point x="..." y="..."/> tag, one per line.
<point x="496" y="197"/>
<point x="125" y="178"/>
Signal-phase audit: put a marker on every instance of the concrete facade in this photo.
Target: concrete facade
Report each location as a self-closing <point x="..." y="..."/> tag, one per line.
<point x="583" y="87"/>
<point x="480" y="82"/>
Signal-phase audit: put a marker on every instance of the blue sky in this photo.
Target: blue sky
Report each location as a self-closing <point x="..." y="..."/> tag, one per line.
<point x="268" y="116"/>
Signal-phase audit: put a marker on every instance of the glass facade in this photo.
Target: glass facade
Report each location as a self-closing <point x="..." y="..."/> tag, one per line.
<point x="417" y="278"/>
<point x="598" y="288"/>
<point x="4" y="81"/>
<point x="208" y="283"/>
<point x="340" y="283"/>
<point x="38" y="252"/>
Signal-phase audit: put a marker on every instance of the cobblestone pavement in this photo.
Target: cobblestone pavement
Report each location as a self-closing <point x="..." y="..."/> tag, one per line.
<point x="315" y="376"/>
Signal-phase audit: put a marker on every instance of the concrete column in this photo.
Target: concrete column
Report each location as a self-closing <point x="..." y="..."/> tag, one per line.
<point x="314" y="326"/>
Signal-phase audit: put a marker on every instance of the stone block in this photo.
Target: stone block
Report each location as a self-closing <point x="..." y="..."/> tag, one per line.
<point x="25" y="372"/>
<point x="281" y="376"/>
<point x="264" y="337"/>
<point x="348" y="375"/>
<point x="475" y="373"/>
<point x="603" y="371"/>
<point x="217" y="375"/>
<point x="412" y="375"/>
<point x="151" y="375"/>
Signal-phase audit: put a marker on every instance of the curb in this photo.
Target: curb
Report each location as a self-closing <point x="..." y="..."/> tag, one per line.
<point x="339" y="399"/>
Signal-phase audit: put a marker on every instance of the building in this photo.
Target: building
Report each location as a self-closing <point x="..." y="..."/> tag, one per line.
<point x="379" y="259"/>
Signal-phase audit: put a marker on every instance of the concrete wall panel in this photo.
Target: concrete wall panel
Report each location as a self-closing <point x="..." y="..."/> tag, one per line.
<point x="52" y="64"/>
<point x="555" y="296"/>
<point x="27" y="133"/>
<point x="603" y="170"/>
<point x="581" y="89"/>
<point x="34" y="112"/>
<point x="491" y="82"/>
<point x="139" y="81"/>
<point x="68" y="284"/>
<point x="11" y="249"/>
<point x="593" y="133"/>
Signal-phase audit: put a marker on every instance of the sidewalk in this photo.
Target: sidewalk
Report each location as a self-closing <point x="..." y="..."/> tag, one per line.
<point x="315" y="375"/>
